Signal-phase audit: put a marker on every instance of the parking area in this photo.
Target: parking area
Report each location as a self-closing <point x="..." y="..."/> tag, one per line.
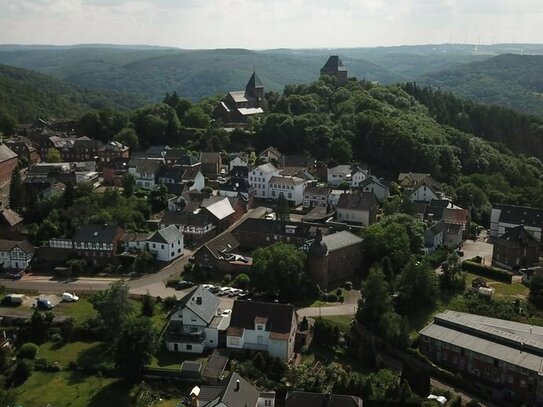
<point x="480" y="247"/>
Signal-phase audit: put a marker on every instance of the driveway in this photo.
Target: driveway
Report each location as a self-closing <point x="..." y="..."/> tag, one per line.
<point x="479" y="247"/>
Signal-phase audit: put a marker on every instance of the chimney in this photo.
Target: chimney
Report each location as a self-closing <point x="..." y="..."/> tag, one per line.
<point x="237" y="386"/>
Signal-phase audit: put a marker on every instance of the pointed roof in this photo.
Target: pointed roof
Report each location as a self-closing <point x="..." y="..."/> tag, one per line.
<point x="254" y="82"/>
<point x="334" y="64"/>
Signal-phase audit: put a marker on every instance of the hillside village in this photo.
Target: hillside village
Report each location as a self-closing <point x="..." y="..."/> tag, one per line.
<point x="267" y="264"/>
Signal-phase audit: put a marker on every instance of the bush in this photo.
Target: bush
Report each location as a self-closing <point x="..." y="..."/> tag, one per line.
<point x="28" y="351"/>
<point x="169" y="302"/>
<point x="487" y="271"/>
<point x="227" y="279"/>
<point x="339" y="292"/>
<point x="242" y="281"/>
<point x="57" y="338"/>
<point x="22" y="371"/>
<point x="325" y="333"/>
<point x="331" y="298"/>
<point x="172" y="282"/>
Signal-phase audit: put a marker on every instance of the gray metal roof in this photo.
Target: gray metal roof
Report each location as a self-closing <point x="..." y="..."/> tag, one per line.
<point x="169" y="234"/>
<point x="340" y="240"/>
<point x="205" y="307"/>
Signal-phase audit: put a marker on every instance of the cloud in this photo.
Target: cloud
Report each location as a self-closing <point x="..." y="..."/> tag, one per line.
<point x="269" y="23"/>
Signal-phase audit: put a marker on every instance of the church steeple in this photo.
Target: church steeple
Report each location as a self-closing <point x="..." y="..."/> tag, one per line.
<point x="254" y="87"/>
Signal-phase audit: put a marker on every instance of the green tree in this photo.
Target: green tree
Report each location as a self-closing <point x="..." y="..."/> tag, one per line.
<point x="242" y="281"/>
<point x="136" y="343"/>
<point x="341" y="150"/>
<point x="68" y="197"/>
<point x="8" y="123"/>
<point x="128" y="137"/>
<point x="326" y="333"/>
<point x="417" y="286"/>
<point x="16" y="191"/>
<point x="536" y="289"/>
<point x="283" y="210"/>
<point x="390" y="240"/>
<point x="196" y="117"/>
<point x="113" y="307"/>
<point x="280" y="270"/>
<point x="156" y="124"/>
<point x="53" y="156"/>
<point x="147" y="306"/>
<point x="129" y="185"/>
<point x="375" y="299"/>
<point x="345" y="186"/>
<point x="28" y="350"/>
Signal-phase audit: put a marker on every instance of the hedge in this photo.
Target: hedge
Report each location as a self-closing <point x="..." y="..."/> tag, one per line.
<point x="487" y="271"/>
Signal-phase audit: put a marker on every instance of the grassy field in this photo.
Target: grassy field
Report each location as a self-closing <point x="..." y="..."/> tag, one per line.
<point x="71" y="389"/>
<point x="81" y="310"/>
<point x="503" y="290"/>
<point x="342" y="321"/>
<point x="172" y="360"/>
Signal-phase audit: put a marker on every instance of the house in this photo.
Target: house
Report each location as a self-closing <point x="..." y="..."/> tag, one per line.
<point x="152" y="153"/>
<point x="112" y="152"/>
<point x="307" y="399"/>
<point x="351" y="174"/>
<point x="166" y="244"/>
<point x="292" y="188"/>
<point x="25" y="149"/>
<point x="85" y="149"/>
<point x="15" y="254"/>
<point x="260" y="177"/>
<point x="145" y="171"/>
<point x="315" y="196"/>
<point x="433" y="235"/>
<point x="358" y="208"/>
<point x="334" y="67"/>
<point x="221" y="253"/>
<point x="239" y="106"/>
<point x="238" y="160"/>
<point x="504" y="217"/>
<point x="425" y="192"/>
<point x="261" y="326"/>
<point x="270" y="155"/>
<point x="175" y="179"/>
<point x="375" y="185"/>
<point x="232" y="392"/>
<point x="8" y="162"/>
<point x="114" y="171"/>
<point x="196" y="227"/>
<point x="195" y="323"/>
<point x="457" y="219"/>
<point x="211" y="164"/>
<point x="411" y="180"/>
<point x="221" y="210"/>
<point x="10" y="222"/>
<point x="174" y="157"/>
<point x="516" y="248"/>
<point x="236" y="186"/>
<point x="503" y="358"/>
<point x="333" y="257"/>
<point x="98" y="244"/>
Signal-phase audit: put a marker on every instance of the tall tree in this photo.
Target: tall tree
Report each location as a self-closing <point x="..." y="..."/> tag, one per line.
<point x="16" y="191"/>
<point x="129" y="185"/>
<point x="53" y="156"/>
<point x="128" y="137"/>
<point x="375" y="299"/>
<point x="113" y="307"/>
<point x="68" y="197"/>
<point x="417" y="285"/>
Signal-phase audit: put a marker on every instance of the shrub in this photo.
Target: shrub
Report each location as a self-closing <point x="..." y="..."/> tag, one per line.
<point x="169" y="302"/>
<point x="331" y="298"/>
<point x="28" y="351"/>
<point x="172" y="282"/>
<point x="339" y="292"/>
<point x="242" y="281"/>
<point x="22" y="371"/>
<point x="487" y="271"/>
<point x="56" y="338"/>
<point x="227" y="279"/>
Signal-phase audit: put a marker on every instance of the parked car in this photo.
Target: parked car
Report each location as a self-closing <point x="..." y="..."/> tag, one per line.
<point x="44" y="303"/>
<point x="207" y="286"/>
<point x="16" y="275"/>
<point x="184" y="284"/>
<point x="69" y="297"/>
<point x="224" y="291"/>
<point x="234" y="292"/>
<point x="243" y="295"/>
<point x="14" y="299"/>
<point x="226" y="312"/>
<point x="214" y="289"/>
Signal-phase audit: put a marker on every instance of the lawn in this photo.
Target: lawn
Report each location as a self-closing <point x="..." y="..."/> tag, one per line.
<point x="81" y="311"/>
<point x="172" y="360"/>
<point x="342" y="321"/>
<point x="72" y="389"/>
<point x="515" y="290"/>
<point x="64" y="354"/>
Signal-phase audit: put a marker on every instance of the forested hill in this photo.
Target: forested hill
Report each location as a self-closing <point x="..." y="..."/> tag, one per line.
<point x="514" y="81"/>
<point x="26" y="95"/>
<point x="150" y="73"/>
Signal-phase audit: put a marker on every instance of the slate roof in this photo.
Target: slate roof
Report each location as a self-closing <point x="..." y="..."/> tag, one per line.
<point x="9" y="245"/>
<point x="517" y="237"/>
<point x="278" y="318"/>
<point x="200" y="219"/>
<point x="145" y="165"/>
<point x="96" y="233"/>
<point x="229" y="393"/>
<point x="307" y="399"/>
<point x="340" y="240"/>
<point x="237" y="185"/>
<point x="334" y="64"/>
<point x="360" y="202"/>
<point x="10" y="217"/>
<point x="254" y="82"/>
<point x="205" y="308"/>
<point x="436" y="228"/>
<point x="207" y="157"/>
<point x="286" y="180"/>
<point x="239" y="96"/>
<point x="248" y="111"/>
<point x="268" y="167"/>
<point x="114" y="146"/>
<point x="181" y="156"/>
<point x="223" y="243"/>
<point x="373" y="180"/>
<point x="170" y="234"/>
<point x="6" y="153"/>
<point x="520" y="215"/>
<point x="315" y="190"/>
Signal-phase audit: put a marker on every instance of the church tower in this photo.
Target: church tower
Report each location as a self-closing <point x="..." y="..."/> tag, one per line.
<point x="254" y="88"/>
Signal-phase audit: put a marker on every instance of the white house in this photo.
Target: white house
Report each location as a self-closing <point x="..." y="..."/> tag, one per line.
<point x="145" y="171"/>
<point x="315" y="196"/>
<point x="358" y="209"/>
<point x="375" y="185"/>
<point x="237" y="161"/>
<point x="292" y="188"/>
<point x="166" y="244"/>
<point x="15" y="254"/>
<point x="433" y="236"/>
<point x="268" y="327"/>
<point x="352" y="174"/>
<point x="196" y="322"/>
<point x="259" y="178"/>
<point x="424" y="193"/>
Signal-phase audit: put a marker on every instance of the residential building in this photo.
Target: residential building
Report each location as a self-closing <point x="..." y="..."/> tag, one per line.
<point x="176" y="179"/>
<point x="375" y="185"/>
<point x="8" y="162"/>
<point x="357" y="208"/>
<point x="66" y="173"/>
<point x="333" y="257"/>
<point x="85" y="149"/>
<point x="236" y="186"/>
<point x="315" y="196"/>
<point x="111" y="152"/>
<point x="222" y="254"/>
<point x="145" y="171"/>
<point x="25" y="149"/>
<point x="195" y="323"/>
<point x="504" y="217"/>
<point x="292" y="188"/>
<point x="307" y="399"/>
<point x="238" y="106"/>
<point x="10" y="223"/>
<point x="517" y="248"/>
<point x="211" y="164"/>
<point x="261" y="326"/>
<point x="270" y="155"/>
<point x="411" y="180"/>
<point x="232" y="392"/>
<point x="503" y="358"/>
<point x="425" y="192"/>
<point x="179" y="157"/>
<point x="166" y="244"/>
<point x="260" y="177"/>
<point x="456" y="219"/>
<point x="351" y="174"/>
<point x="238" y="160"/>
<point x="15" y="254"/>
<point x="221" y="210"/>
<point x="334" y="67"/>
<point x="196" y="227"/>
<point x="433" y="235"/>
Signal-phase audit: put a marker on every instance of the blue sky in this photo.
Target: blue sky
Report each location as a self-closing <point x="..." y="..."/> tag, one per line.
<point x="261" y="24"/>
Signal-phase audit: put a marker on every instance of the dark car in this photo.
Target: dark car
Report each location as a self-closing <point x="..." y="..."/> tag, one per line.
<point x="16" y="275"/>
<point x="44" y="304"/>
<point x="184" y="284"/>
<point x="214" y="289"/>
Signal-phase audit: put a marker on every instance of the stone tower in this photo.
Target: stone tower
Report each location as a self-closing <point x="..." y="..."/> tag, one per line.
<point x="254" y="87"/>
<point x="317" y="260"/>
<point x="334" y="67"/>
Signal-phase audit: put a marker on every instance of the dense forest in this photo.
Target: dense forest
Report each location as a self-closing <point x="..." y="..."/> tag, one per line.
<point x="25" y="95"/>
<point x="514" y="81"/>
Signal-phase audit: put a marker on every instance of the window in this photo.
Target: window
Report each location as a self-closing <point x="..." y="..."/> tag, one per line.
<point x="189" y="347"/>
<point x="510" y="379"/>
<point x="193" y="318"/>
<point x="523" y="383"/>
<point x="259" y="327"/>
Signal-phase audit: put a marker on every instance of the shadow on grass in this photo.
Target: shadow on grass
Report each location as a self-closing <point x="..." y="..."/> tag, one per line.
<point x="327" y="355"/>
<point x="95" y="355"/>
<point x="114" y="394"/>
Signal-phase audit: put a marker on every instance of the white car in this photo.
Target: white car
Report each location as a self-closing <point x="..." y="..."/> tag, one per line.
<point x="224" y="291"/>
<point x="69" y="297"/>
<point x="226" y="312"/>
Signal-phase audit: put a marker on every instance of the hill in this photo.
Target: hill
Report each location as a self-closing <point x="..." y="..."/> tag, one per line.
<point x="514" y="81"/>
<point x="27" y="95"/>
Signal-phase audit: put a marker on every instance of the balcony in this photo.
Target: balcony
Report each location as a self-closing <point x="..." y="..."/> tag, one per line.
<point x="177" y="332"/>
<point x="255" y="346"/>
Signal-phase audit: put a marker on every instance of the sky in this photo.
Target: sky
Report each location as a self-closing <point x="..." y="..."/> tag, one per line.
<point x="265" y="24"/>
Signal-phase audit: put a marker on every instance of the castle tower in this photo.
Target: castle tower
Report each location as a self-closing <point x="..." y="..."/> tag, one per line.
<point x="334" y="67"/>
<point x="254" y="87"/>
